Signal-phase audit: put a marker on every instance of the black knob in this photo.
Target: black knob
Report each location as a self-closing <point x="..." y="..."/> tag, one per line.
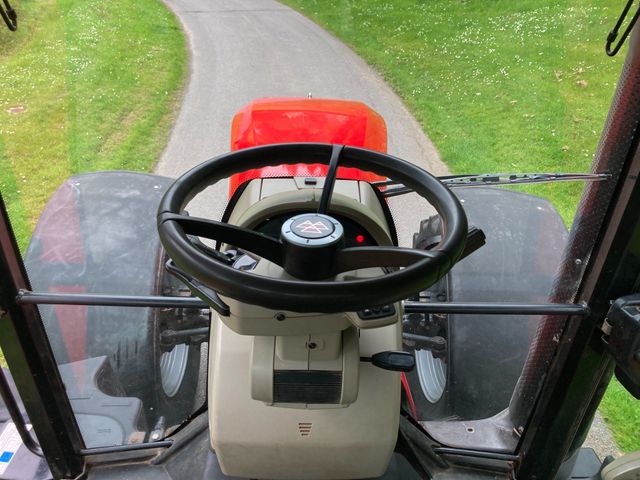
<point x="392" y="360"/>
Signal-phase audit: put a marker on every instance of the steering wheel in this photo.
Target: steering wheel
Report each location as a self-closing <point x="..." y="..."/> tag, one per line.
<point x="310" y="245"/>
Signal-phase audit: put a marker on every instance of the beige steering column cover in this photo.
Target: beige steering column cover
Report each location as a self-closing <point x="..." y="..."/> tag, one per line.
<point x="259" y="435"/>
<point x="253" y="439"/>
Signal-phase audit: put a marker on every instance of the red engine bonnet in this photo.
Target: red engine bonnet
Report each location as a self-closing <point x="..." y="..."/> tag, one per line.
<point x="282" y="120"/>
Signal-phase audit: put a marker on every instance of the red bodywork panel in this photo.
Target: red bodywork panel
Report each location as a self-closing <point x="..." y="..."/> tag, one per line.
<point x="282" y="120"/>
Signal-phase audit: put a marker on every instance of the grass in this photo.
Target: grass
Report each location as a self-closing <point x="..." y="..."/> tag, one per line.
<point x="498" y="86"/>
<point x="92" y="86"/>
<point x="514" y="86"/>
<point x="622" y="412"/>
<point x="84" y="85"/>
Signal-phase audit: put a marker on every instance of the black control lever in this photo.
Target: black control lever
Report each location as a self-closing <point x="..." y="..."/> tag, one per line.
<point x="475" y="239"/>
<point x="199" y="290"/>
<point x="392" y="360"/>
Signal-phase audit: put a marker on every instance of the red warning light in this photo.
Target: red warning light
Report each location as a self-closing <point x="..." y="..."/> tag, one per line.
<point x="360" y="238"/>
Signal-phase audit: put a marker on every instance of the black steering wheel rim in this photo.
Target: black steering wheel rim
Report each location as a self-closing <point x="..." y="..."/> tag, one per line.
<point x="301" y="295"/>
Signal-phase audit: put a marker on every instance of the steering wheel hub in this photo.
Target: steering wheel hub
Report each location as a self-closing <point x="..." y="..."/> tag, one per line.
<point x="312" y="229"/>
<point x="310" y="241"/>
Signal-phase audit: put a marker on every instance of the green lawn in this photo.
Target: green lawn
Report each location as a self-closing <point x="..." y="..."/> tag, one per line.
<point x="498" y="86"/>
<point x="622" y="412"/>
<point x="84" y="85"/>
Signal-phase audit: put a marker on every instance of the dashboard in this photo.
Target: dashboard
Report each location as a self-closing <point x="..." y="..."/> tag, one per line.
<point x="354" y="234"/>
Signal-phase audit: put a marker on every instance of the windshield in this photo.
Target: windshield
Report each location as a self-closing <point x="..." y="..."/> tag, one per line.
<point x="100" y="117"/>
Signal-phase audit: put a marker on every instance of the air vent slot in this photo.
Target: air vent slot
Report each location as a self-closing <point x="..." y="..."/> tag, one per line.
<point x="307" y="386"/>
<point x="305" y="429"/>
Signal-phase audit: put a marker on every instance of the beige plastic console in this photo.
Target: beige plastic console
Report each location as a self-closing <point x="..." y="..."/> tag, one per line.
<point x="263" y="198"/>
<point x="260" y="359"/>
<point x="254" y="439"/>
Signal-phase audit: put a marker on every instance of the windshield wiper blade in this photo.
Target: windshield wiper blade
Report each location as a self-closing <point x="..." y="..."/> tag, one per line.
<point x="490" y="179"/>
<point x="519" y="178"/>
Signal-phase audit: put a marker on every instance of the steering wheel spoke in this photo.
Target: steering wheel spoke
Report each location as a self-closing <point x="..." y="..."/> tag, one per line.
<point x="263" y="245"/>
<point x="354" y="258"/>
<point x="330" y="179"/>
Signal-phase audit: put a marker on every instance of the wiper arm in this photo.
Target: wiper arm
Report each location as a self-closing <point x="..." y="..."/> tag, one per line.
<point x="489" y="179"/>
<point x="9" y="16"/>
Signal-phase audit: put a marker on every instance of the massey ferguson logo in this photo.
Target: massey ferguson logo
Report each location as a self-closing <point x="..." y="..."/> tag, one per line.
<point x="308" y="226"/>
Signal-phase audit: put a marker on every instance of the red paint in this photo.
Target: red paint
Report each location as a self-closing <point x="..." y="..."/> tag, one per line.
<point x="72" y="320"/>
<point x="58" y="229"/>
<point x="407" y="391"/>
<point x="282" y="120"/>
<point x="73" y="323"/>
